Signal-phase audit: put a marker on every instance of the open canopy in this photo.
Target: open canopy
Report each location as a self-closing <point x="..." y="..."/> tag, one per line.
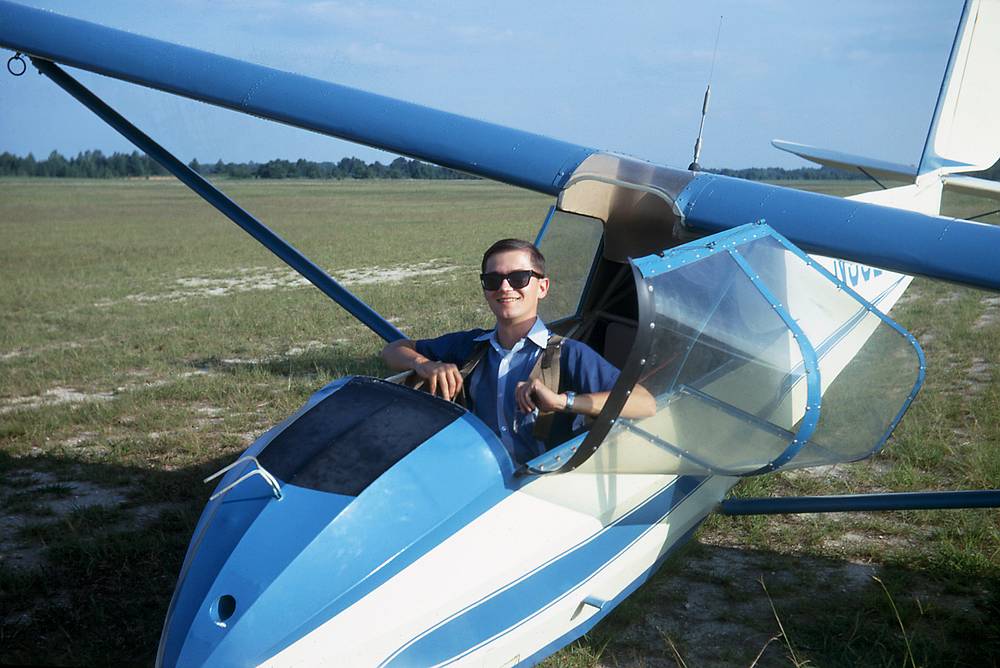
<point x="759" y="359"/>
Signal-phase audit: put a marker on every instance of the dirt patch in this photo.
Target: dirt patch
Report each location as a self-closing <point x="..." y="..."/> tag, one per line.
<point x="907" y="297"/>
<point x="80" y="439"/>
<point x="852" y="541"/>
<point x="45" y="508"/>
<point x="369" y="275"/>
<point x="86" y="494"/>
<point x="68" y="395"/>
<point x="310" y="346"/>
<point x="244" y="361"/>
<point x="977" y="376"/>
<point x="188" y="287"/>
<point x="33" y="352"/>
<point x="990" y="315"/>
<point x="263" y="278"/>
<point x="151" y="512"/>
<point x="294" y="351"/>
<point x="53" y="397"/>
<point x="828" y="472"/>
<point x="949" y="298"/>
<point x="39" y="498"/>
<point x="711" y="605"/>
<point x="247" y="437"/>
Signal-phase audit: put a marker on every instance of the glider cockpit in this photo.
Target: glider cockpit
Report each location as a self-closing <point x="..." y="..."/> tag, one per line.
<point x="759" y="357"/>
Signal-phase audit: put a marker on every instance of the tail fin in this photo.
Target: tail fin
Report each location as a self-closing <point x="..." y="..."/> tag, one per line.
<point x="964" y="134"/>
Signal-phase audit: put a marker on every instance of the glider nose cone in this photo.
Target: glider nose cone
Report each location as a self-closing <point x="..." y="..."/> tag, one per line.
<point x="358" y="495"/>
<point x="236" y="598"/>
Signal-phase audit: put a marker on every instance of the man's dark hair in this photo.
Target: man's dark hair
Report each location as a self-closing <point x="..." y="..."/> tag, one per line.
<point x="505" y="245"/>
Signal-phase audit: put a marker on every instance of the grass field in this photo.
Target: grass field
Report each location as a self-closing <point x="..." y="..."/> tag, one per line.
<point x="145" y="341"/>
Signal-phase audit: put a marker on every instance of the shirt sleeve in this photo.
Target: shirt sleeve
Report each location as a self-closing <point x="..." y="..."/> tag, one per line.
<point x="586" y="370"/>
<point x="454" y="348"/>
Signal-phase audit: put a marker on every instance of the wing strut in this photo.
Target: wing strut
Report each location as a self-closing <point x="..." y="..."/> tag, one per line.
<point x="985" y="498"/>
<point x="285" y="251"/>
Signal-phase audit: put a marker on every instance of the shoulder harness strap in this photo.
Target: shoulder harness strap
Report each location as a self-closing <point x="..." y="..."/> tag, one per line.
<point x="547" y="368"/>
<point x="479" y="351"/>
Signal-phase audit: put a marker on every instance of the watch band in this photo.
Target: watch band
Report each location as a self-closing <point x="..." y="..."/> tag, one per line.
<point x="570" y="398"/>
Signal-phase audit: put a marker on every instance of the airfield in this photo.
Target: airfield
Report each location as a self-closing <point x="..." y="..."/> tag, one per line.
<point x="146" y="341"/>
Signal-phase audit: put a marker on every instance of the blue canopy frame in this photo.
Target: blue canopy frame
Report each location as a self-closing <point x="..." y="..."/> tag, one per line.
<point x="652" y="268"/>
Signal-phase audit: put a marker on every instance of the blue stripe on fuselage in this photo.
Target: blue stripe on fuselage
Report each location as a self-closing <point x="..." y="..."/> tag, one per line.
<point x="515" y="604"/>
<point x="592" y="621"/>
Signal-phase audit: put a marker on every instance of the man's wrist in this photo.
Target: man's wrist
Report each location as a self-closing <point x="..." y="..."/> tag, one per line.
<point x="570" y="400"/>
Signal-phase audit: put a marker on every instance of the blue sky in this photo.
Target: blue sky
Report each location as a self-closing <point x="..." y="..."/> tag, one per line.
<point x="860" y="77"/>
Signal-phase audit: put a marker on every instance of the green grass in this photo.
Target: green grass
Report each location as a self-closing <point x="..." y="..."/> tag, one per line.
<point x="105" y="301"/>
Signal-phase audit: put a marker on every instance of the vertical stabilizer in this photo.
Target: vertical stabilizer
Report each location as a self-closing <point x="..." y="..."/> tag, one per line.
<point x="965" y="131"/>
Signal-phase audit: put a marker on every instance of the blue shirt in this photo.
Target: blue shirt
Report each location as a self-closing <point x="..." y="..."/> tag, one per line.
<point x="491" y="385"/>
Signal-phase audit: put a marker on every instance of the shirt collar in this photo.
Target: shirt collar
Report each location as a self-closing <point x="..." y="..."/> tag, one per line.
<point x="538" y="334"/>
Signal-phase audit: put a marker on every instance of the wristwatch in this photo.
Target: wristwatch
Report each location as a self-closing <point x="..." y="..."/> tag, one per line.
<point x="570" y="398"/>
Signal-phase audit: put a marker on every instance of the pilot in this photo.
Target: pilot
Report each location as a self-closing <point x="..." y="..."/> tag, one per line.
<point x="502" y="389"/>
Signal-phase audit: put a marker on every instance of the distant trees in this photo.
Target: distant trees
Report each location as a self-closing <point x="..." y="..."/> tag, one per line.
<point x="96" y="165"/>
<point x="87" y="165"/>
<point x="782" y="174"/>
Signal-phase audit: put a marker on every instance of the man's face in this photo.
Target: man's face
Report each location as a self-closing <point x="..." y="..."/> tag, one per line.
<point x="512" y="306"/>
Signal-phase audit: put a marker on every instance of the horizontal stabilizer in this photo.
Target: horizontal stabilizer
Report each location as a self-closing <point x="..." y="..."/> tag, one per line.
<point x="964" y="134"/>
<point x="879" y="169"/>
<point x="970" y="185"/>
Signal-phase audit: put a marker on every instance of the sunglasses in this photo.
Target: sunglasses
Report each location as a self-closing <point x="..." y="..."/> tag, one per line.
<point x="516" y="279"/>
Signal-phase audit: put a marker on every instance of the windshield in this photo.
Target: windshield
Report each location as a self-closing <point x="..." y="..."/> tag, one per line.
<point x="356" y="434"/>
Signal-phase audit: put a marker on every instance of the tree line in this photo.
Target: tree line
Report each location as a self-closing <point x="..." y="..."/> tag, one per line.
<point x="96" y="165"/>
<point x="797" y="174"/>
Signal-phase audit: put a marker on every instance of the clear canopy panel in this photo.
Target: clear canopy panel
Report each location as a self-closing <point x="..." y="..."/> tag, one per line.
<point x="758" y="359"/>
<point x="570" y="243"/>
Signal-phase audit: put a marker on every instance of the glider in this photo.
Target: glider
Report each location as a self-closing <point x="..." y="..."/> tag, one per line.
<point x="382" y="526"/>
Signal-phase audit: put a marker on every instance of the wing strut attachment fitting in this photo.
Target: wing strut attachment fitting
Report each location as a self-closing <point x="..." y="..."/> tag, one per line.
<point x="193" y="180"/>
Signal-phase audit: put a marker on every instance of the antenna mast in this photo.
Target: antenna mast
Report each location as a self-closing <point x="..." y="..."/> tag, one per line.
<point x="694" y="166"/>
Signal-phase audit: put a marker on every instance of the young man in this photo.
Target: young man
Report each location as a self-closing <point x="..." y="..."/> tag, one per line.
<point x="501" y="393"/>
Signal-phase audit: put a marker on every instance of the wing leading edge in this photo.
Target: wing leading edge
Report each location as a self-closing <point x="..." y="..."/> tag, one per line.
<point x="496" y="152"/>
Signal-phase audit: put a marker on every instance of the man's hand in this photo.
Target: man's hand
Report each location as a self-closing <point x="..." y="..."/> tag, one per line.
<point x="533" y="394"/>
<point x="442" y="378"/>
